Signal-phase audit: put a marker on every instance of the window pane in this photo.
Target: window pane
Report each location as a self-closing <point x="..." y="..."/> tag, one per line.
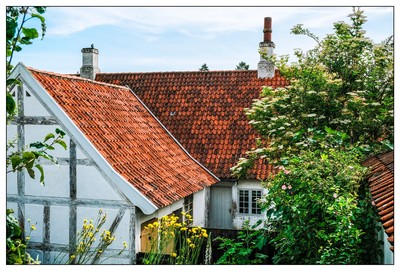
<point x="188" y="207"/>
<point x="255" y="208"/>
<point x="243" y="201"/>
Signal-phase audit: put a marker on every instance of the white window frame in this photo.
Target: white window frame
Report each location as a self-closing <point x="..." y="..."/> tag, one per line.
<point x="250" y="209"/>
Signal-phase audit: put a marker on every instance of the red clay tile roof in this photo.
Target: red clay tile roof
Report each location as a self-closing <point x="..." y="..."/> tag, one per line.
<point x="204" y="111"/>
<point x="130" y="138"/>
<point x="381" y="183"/>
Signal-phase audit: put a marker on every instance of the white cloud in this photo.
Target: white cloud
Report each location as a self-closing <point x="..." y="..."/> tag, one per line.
<point x="192" y="21"/>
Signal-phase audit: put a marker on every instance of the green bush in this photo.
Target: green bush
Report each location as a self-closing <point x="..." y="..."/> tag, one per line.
<point x="320" y="210"/>
<point x="244" y="249"/>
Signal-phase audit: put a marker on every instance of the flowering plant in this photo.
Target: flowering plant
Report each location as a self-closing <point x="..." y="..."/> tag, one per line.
<point x="181" y="242"/>
<point x="87" y="250"/>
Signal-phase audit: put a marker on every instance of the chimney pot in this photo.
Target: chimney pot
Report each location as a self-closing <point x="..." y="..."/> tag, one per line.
<point x="267" y="29"/>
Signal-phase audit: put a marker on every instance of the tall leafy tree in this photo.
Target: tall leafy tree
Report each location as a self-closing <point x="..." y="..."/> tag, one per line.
<point x="346" y="84"/>
<point x="337" y="109"/>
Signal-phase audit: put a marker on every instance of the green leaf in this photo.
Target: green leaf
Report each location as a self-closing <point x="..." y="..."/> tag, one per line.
<point x="45" y="156"/>
<point x="17" y="48"/>
<point x="30" y="33"/>
<point x="37" y="145"/>
<point x="25" y="40"/>
<point x="60" y="132"/>
<point x="48" y="136"/>
<point x="31" y="172"/>
<point x="15" y="161"/>
<point x="10" y="104"/>
<point x="13" y="81"/>
<point x="61" y="143"/>
<point x="28" y="159"/>
<point x="40" y="10"/>
<point x="329" y="130"/>
<point x="40" y="168"/>
<point x="11" y="28"/>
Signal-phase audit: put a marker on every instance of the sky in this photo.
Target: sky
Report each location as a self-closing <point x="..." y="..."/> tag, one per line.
<point x="146" y="39"/>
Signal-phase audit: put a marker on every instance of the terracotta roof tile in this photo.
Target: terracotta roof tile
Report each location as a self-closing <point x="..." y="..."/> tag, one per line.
<point x="128" y="136"/>
<point x="381" y="183"/>
<point x="204" y="111"/>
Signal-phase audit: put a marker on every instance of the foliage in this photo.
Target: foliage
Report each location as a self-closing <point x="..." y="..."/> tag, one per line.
<point x="18" y="34"/>
<point x="182" y="243"/>
<point x="243" y="249"/>
<point x="86" y="249"/>
<point x="316" y="205"/>
<point x="242" y="66"/>
<point x="204" y="68"/>
<point x="29" y="159"/>
<point x="337" y="109"/>
<point x="345" y="83"/>
<point x="16" y="242"/>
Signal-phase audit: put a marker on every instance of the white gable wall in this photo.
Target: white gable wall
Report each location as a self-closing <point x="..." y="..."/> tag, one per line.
<point x="56" y="209"/>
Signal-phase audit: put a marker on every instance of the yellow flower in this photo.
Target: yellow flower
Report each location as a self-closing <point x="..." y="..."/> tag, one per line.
<point x="173" y="255"/>
<point x="33" y="227"/>
<point x="125" y="244"/>
<point x="28" y="238"/>
<point x="192" y="245"/>
<point x="188" y="240"/>
<point x="184" y="229"/>
<point x="73" y="257"/>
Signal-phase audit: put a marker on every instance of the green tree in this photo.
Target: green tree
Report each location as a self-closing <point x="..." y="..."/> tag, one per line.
<point x="345" y="83"/>
<point x="204" y="68"/>
<point x="337" y="108"/>
<point x="242" y="66"/>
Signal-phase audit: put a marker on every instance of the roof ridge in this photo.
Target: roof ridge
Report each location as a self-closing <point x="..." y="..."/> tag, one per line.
<point x="173" y="72"/>
<point x="69" y="76"/>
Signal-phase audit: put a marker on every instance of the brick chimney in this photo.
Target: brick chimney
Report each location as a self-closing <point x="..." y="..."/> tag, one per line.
<point x="89" y="63"/>
<point x="265" y="68"/>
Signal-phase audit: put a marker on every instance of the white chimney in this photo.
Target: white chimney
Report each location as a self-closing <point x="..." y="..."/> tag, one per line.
<point x="265" y="67"/>
<point x="89" y="63"/>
